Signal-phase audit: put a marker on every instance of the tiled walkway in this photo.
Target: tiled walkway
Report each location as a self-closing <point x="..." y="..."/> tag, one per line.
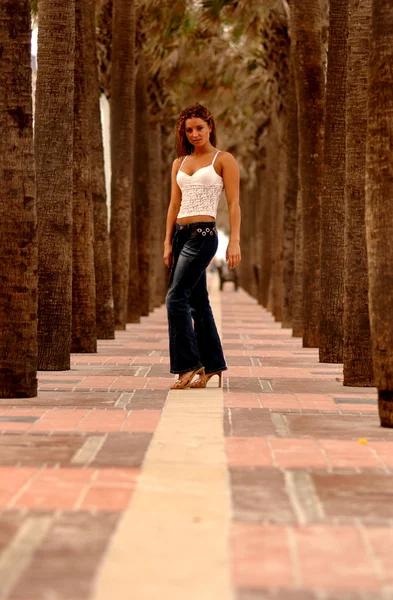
<point x="278" y="486"/>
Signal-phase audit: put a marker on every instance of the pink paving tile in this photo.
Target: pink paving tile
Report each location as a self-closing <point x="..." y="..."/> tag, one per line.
<point x="52" y="491"/>
<point x="58" y="375"/>
<point x="120" y="360"/>
<point x="381" y="540"/>
<point x="261" y="556"/>
<point x="53" y="476"/>
<point x="22" y="412"/>
<point x="103" y="420"/>
<point x="232" y="352"/>
<point x="349" y="453"/>
<point x="334" y="557"/>
<point x="367" y="408"/>
<point x="159" y="383"/>
<point x="250" y="452"/>
<point x="271" y="332"/>
<point x="322" y="403"/>
<point x="279" y="401"/>
<point x="269" y="353"/>
<point x="280" y="373"/>
<point x="314" y="398"/>
<point x="327" y="376"/>
<point x="238" y="372"/>
<point x="60" y="420"/>
<point x="146" y="345"/>
<point x="10" y="426"/>
<point x="239" y="400"/>
<point x="5" y="498"/>
<point x="299" y="453"/>
<point x="119" y="477"/>
<point x="90" y="358"/>
<point x="53" y="386"/>
<point x="13" y="478"/>
<point x="142" y="420"/>
<point x="104" y="498"/>
<point x="151" y="360"/>
<point x="101" y="382"/>
<point x="127" y="382"/>
<point x="384" y="450"/>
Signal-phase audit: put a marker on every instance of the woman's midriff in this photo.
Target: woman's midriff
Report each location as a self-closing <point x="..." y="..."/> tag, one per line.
<point x="195" y="219"/>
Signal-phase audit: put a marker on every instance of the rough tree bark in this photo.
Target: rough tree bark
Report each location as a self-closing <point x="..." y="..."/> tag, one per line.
<point x="333" y="195"/>
<point x="102" y="254"/>
<point x="18" y="219"/>
<point x="53" y="141"/>
<point x="291" y="189"/>
<point x="83" y="332"/>
<point x="379" y="203"/>
<point x="297" y="293"/>
<point x="122" y="151"/>
<point x="357" y="339"/>
<point x="306" y="29"/>
<point x="141" y="201"/>
<point x="156" y="216"/>
<point x="133" y="301"/>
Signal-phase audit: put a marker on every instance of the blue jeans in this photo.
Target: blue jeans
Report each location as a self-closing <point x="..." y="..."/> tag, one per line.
<point x="192" y="345"/>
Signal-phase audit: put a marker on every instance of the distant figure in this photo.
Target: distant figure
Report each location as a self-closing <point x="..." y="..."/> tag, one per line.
<point x="199" y="175"/>
<point x="226" y="274"/>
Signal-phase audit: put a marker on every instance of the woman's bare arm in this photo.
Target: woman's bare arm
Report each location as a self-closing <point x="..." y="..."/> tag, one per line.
<point x="230" y="175"/>
<point x="173" y="211"/>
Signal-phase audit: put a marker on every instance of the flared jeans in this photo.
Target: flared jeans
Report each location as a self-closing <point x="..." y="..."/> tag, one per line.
<point x="193" y="338"/>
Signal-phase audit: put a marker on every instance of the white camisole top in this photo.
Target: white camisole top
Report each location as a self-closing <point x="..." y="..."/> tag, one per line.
<point x="200" y="192"/>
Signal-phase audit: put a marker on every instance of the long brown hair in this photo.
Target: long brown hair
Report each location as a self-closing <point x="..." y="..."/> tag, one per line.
<point x="183" y="146"/>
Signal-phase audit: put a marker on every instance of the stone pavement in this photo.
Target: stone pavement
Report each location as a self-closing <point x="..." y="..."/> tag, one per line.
<point x="278" y="486"/>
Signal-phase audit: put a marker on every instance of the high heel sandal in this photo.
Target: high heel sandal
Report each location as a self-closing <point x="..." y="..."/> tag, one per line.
<point x="202" y="382"/>
<point x="185" y="382"/>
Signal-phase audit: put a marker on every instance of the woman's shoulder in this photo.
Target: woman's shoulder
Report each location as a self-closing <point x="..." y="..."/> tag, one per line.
<point x="226" y="158"/>
<point x="177" y="162"/>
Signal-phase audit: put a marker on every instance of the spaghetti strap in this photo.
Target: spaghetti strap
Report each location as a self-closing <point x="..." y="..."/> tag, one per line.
<point x="215" y="156"/>
<point x="182" y="163"/>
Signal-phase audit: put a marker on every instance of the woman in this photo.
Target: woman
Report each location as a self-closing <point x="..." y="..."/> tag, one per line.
<point x="199" y="175"/>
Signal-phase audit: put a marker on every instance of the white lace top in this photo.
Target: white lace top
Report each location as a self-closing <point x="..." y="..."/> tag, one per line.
<point x="200" y="192"/>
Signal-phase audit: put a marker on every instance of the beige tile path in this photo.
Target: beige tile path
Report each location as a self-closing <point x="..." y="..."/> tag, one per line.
<point x="173" y="541"/>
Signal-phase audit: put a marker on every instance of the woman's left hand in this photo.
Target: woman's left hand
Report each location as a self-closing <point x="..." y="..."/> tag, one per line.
<point x="233" y="255"/>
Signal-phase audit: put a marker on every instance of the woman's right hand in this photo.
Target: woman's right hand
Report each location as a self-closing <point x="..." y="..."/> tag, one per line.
<point x="167" y="254"/>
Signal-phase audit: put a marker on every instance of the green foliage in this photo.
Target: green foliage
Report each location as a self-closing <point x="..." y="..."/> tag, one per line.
<point x="223" y="53"/>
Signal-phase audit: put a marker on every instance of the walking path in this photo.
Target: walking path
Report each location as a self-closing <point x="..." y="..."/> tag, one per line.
<point x="278" y="486"/>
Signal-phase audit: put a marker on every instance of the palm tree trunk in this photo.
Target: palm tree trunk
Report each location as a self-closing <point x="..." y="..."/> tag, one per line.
<point x="18" y="219"/>
<point x="297" y="293"/>
<point x="357" y="338"/>
<point x="53" y="139"/>
<point x="102" y="255"/>
<point x="333" y="202"/>
<point x="83" y="278"/>
<point x="277" y="170"/>
<point x="245" y="268"/>
<point x="122" y="152"/>
<point x="309" y="80"/>
<point x="134" y="300"/>
<point x="267" y="200"/>
<point x="255" y="233"/>
<point x="379" y="203"/>
<point x="164" y="196"/>
<point x="141" y="203"/>
<point x="291" y="188"/>
<point x="156" y="220"/>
